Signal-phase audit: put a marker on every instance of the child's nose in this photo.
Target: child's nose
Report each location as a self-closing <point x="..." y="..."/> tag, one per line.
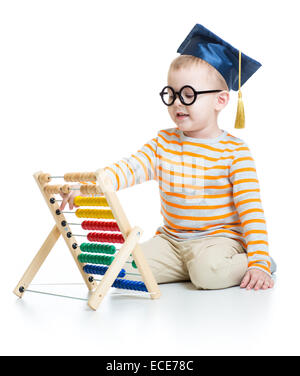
<point x="177" y="100"/>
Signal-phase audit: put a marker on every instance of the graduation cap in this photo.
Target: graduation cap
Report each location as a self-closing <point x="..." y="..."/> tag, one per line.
<point x="233" y="65"/>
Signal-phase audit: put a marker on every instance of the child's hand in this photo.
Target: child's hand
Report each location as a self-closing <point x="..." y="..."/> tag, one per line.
<point x="257" y="279"/>
<point x="69" y="198"/>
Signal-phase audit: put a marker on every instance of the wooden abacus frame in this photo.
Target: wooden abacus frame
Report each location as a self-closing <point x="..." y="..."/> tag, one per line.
<point x="131" y="235"/>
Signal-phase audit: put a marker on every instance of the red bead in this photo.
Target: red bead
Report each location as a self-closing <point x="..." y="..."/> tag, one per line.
<point x="105" y="237"/>
<point x="100" y="225"/>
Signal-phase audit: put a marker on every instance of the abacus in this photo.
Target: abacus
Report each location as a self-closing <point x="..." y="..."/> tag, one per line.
<point x="97" y="255"/>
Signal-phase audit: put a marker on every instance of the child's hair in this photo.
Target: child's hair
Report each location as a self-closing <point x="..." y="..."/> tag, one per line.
<point x="184" y="61"/>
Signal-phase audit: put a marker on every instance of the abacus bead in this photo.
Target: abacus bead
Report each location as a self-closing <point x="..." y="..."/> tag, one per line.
<point x="130" y="285"/>
<point x="86" y="269"/>
<point x="123" y="273"/>
<point x="93" y="269"/>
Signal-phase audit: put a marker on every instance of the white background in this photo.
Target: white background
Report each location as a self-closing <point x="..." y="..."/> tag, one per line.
<point x="79" y="84"/>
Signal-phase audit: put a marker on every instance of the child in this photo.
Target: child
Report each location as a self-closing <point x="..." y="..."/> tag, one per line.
<point x="214" y="231"/>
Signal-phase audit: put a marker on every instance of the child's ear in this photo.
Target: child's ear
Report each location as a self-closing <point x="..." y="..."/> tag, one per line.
<point x="222" y="100"/>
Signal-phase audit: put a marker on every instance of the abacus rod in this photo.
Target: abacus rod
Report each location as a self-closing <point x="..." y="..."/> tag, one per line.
<point x="79" y="224"/>
<point x="56" y="177"/>
<point x="133" y="292"/>
<point x="85" y="236"/>
<point x="56" y="284"/>
<point x="67" y="283"/>
<point x="62" y="296"/>
<point x="99" y="280"/>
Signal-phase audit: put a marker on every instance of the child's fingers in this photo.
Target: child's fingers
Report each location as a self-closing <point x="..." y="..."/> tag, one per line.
<point x="255" y="280"/>
<point x="71" y="203"/>
<point x="68" y="198"/>
<point x="245" y="280"/>
<point x="269" y="283"/>
<point x="266" y="285"/>
<point x="259" y="284"/>
<point x="64" y="202"/>
<point x="252" y="282"/>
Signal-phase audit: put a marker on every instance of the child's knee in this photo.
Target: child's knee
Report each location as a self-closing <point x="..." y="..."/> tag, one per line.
<point x="217" y="270"/>
<point x="205" y="274"/>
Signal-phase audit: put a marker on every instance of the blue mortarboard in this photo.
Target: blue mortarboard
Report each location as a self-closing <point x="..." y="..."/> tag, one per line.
<point x="233" y="65"/>
<point x="204" y="44"/>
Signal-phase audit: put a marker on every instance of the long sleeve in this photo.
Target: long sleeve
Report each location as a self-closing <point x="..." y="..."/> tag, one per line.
<point x="136" y="169"/>
<point x="246" y="196"/>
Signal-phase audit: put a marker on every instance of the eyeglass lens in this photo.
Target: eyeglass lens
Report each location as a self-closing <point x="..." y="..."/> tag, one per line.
<point x="187" y="95"/>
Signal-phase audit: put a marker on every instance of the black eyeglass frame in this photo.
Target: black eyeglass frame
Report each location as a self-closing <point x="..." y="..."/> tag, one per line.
<point x="175" y="93"/>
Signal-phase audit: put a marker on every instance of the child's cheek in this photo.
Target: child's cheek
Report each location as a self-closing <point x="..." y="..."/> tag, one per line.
<point x="172" y="114"/>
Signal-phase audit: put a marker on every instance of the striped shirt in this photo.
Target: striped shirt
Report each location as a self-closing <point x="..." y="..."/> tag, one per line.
<point x="208" y="187"/>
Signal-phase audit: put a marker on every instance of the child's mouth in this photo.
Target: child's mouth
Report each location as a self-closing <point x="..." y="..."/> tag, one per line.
<point x="181" y="116"/>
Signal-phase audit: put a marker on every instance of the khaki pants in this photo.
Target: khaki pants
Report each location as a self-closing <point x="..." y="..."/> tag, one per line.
<point x="209" y="263"/>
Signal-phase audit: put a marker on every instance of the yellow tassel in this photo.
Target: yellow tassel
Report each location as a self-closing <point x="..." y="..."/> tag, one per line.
<point x="240" y="114"/>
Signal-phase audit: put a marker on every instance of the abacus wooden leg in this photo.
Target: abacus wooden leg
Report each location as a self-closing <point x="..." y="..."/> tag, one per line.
<point x="54" y="209"/>
<point x="106" y="187"/>
<point x="37" y="262"/>
<point x="114" y="268"/>
<point x="146" y="272"/>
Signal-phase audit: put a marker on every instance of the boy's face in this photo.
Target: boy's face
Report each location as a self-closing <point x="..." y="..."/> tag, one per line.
<point x="202" y="113"/>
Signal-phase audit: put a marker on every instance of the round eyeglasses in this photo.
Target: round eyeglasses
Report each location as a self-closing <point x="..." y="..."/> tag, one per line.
<point x="187" y="95"/>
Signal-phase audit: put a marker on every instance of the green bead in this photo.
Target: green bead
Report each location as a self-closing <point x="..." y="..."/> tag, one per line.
<point x="134" y="264"/>
<point x="83" y="246"/>
<point x="98" y="248"/>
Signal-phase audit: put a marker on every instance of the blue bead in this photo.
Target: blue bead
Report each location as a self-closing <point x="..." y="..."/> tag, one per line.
<point x="131" y="285"/>
<point x="125" y="284"/>
<point x="122" y="273"/>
